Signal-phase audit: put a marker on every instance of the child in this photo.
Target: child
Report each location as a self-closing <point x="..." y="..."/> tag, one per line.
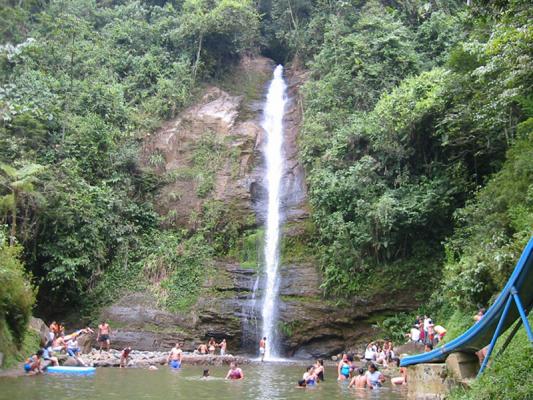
<point x="33" y="363"/>
<point x="124" y="357"/>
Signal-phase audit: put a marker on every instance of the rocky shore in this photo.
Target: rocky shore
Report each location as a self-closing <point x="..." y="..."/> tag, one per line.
<point x="144" y="359"/>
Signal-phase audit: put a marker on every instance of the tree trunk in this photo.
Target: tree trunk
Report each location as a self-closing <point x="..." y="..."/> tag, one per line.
<point x="13" y="220"/>
<point x="195" y="68"/>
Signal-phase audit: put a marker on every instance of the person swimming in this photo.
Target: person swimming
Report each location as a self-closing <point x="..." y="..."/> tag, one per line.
<point x="309" y="376"/>
<point x="359" y="381"/>
<point x="319" y="370"/>
<point x="205" y="375"/>
<point x="374" y="378"/>
<point x="234" y="372"/>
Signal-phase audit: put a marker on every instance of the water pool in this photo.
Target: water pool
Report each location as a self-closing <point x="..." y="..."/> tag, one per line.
<point x="262" y="381"/>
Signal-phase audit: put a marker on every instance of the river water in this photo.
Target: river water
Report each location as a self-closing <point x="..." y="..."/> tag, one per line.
<point x="268" y="381"/>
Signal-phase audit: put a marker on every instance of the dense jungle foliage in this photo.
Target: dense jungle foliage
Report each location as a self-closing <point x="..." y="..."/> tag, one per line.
<point x="417" y="140"/>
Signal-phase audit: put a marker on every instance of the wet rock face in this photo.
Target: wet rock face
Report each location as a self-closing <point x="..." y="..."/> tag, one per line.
<point x="309" y="326"/>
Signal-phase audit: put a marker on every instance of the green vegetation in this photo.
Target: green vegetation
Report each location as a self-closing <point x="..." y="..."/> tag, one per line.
<point x="508" y="377"/>
<point x="81" y="82"/>
<point x="417" y="141"/>
<point x="16" y="301"/>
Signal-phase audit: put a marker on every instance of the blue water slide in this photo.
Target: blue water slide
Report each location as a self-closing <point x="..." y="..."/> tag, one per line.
<point x="515" y="301"/>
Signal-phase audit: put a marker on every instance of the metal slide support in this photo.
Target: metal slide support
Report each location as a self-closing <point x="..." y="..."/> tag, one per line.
<point x="496" y="334"/>
<point x="523" y="315"/>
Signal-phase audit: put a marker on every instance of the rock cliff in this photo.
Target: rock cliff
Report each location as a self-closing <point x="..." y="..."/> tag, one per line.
<point x="226" y="122"/>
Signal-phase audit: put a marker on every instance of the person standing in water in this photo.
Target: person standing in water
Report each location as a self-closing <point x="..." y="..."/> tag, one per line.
<point x="344" y="368"/>
<point x="235" y="373"/>
<point x="174" y="357"/>
<point x="262" y="348"/>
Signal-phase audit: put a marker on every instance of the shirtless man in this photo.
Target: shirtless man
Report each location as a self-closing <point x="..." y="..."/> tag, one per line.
<point x="103" y="335"/>
<point x="223" y="346"/>
<point x="262" y="348"/>
<point x="174" y="357"/>
<point x="202" y="349"/>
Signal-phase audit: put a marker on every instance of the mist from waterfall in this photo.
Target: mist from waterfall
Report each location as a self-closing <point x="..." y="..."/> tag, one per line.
<point x="272" y="123"/>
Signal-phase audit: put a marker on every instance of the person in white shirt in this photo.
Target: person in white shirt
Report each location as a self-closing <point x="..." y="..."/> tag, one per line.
<point x="414" y="334"/>
<point x="370" y="353"/>
<point x="374" y="378"/>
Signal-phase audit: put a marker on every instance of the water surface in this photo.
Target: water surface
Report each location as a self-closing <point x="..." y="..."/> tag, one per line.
<point x="262" y="382"/>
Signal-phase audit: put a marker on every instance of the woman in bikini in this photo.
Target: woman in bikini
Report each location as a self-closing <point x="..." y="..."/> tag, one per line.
<point x="235" y="373"/>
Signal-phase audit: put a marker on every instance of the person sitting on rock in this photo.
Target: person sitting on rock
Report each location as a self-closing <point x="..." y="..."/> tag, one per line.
<point x="175" y="356"/>
<point x="72" y="347"/>
<point x="374" y="378"/>
<point x="124" y="357"/>
<point x="370" y="352"/>
<point x="202" y="349"/>
<point x="235" y="373"/>
<point x="359" y="380"/>
<point x="47" y="356"/>
<point x="59" y="345"/>
<point x="402" y="379"/>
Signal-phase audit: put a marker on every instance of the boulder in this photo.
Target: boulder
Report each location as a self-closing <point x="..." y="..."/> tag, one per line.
<point x="71" y="362"/>
<point x="410" y="348"/>
<point x="38" y="326"/>
<point x="86" y="342"/>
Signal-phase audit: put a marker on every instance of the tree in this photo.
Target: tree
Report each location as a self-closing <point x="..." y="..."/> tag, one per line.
<point x="20" y="183"/>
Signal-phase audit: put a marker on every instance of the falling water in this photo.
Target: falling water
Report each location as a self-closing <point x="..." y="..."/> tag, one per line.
<point x="273" y="125"/>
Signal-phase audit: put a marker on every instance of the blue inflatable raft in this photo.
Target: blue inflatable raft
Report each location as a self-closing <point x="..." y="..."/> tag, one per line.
<point x="71" y="370"/>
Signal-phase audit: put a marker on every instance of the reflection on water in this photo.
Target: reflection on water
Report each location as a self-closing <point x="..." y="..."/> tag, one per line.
<point x="262" y="381"/>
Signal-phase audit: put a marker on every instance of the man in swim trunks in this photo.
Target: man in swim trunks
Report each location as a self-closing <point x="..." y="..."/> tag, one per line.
<point x="103" y="335"/>
<point x="235" y="373"/>
<point x="223" y="345"/>
<point x="174" y="357"/>
<point x="262" y="348"/>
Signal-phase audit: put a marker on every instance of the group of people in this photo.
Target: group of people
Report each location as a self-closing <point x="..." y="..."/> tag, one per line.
<point x="57" y="342"/>
<point x="425" y="331"/>
<point x="313" y="374"/>
<point x="370" y="377"/>
<point x="211" y="347"/>
<point x="381" y="354"/>
<point x="175" y="357"/>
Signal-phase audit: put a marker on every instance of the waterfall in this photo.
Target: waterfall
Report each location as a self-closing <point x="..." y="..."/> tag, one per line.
<point x="272" y="123"/>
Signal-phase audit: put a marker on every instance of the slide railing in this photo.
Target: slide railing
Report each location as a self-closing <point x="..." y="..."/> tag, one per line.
<point x="515" y="301"/>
